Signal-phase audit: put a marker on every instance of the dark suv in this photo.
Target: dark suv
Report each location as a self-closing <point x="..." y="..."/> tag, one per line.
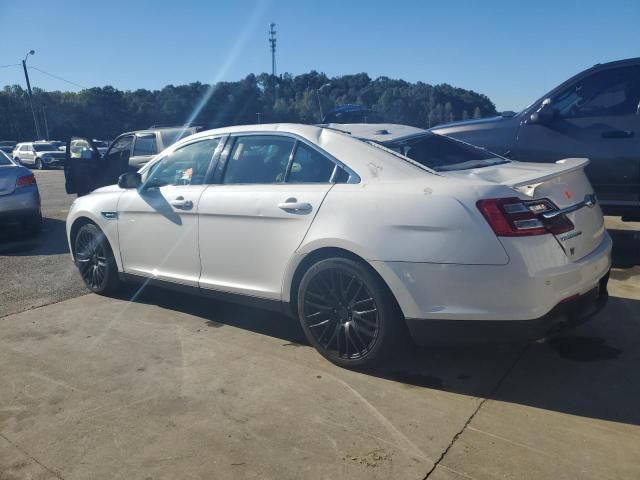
<point x="86" y="168"/>
<point x="595" y="114"/>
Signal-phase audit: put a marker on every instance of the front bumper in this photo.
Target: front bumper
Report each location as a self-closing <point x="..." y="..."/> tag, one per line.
<point x="564" y="315"/>
<point x="53" y="162"/>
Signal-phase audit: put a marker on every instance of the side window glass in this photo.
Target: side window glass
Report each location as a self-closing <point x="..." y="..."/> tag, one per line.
<point x="608" y="93"/>
<point x="122" y="145"/>
<point x="258" y="159"/>
<point x="145" y="145"/>
<point x="186" y="166"/>
<point x="310" y="166"/>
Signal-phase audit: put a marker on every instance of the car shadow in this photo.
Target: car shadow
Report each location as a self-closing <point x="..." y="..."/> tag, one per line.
<point x="590" y="371"/>
<point x="626" y="248"/>
<point x="52" y="240"/>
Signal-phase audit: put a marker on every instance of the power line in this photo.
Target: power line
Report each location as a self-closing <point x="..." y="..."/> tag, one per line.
<point x="10" y="65"/>
<point x="57" y="77"/>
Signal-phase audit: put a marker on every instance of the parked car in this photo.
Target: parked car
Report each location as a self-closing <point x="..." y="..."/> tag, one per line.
<point x="40" y="155"/>
<point x="128" y="152"/>
<point x="8" y="149"/>
<point x="353" y="238"/>
<point x="595" y="114"/>
<point x="7" y="143"/>
<point x="19" y="196"/>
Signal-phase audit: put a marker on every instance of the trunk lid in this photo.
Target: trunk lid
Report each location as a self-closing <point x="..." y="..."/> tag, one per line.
<point x="8" y="177"/>
<point x="565" y="184"/>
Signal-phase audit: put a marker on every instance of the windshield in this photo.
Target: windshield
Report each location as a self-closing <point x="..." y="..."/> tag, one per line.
<point x="441" y="153"/>
<point x="4" y="159"/>
<point x="169" y="137"/>
<point x="44" y="147"/>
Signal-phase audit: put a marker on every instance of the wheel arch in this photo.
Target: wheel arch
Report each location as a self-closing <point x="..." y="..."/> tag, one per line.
<point x="82" y="220"/>
<point x="322" y="253"/>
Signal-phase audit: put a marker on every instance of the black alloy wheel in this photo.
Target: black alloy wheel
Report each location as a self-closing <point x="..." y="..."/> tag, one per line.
<point x="346" y="312"/>
<point x="94" y="259"/>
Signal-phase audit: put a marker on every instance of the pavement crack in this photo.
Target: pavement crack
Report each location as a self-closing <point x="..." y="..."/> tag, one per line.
<point x="27" y="454"/>
<point x="477" y="409"/>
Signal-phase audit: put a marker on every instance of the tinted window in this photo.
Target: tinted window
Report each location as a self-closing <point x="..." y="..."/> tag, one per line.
<point x="258" y="159"/>
<point x="610" y="92"/>
<point x="186" y="166"/>
<point x="441" y="153"/>
<point x="310" y="166"/>
<point x="145" y="145"/>
<point x="44" y="147"/>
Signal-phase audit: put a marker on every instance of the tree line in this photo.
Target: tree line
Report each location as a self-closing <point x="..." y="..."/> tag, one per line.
<point x="105" y="112"/>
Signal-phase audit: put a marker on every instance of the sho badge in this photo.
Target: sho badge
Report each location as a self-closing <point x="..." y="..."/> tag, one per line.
<point x="590" y="200"/>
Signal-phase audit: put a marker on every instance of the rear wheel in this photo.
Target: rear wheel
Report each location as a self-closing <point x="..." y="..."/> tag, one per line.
<point x="95" y="260"/>
<point x="347" y="313"/>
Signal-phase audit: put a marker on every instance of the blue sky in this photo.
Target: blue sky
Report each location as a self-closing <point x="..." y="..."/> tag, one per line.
<point x="513" y="51"/>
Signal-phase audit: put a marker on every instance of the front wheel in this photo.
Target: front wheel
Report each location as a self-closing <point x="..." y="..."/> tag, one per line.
<point x="39" y="165"/>
<point x="347" y="313"/>
<point x="95" y="260"/>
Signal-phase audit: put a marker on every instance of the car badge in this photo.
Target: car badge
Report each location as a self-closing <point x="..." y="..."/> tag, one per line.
<point x="568" y="194"/>
<point x="590" y="200"/>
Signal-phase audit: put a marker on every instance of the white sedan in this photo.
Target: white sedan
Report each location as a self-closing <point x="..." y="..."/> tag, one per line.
<point x="358" y="231"/>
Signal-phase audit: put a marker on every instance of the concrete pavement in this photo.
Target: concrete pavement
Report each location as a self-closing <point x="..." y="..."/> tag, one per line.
<point x="173" y="386"/>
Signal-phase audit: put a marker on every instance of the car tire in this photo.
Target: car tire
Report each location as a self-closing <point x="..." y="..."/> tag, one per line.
<point x="39" y="165"/>
<point x="347" y="313"/>
<point x="95" y="261"/>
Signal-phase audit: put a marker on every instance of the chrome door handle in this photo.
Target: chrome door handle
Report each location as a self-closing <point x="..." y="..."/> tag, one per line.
<point x="182" y="204"/>
<point x="294" y="206"/>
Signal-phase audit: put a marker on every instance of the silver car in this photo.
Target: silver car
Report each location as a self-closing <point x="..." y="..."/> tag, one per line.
<point x="40" y="155"/>
<point x="19" y="197"/>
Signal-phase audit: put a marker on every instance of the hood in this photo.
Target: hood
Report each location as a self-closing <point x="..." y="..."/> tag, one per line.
<point x="108" y="189"/>
<point x="52" y="153"/>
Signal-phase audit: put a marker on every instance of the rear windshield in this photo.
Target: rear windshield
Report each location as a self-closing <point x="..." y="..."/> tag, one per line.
<point x="4" y="159"/>
<point x="44" y="147"/>
<point x="441" y="153"/>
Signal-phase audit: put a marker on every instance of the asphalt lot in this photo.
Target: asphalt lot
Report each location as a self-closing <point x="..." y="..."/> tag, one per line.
<point x="156" y="385"/>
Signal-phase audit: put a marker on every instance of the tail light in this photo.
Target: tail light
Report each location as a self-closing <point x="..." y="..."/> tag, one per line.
<point x="512" y="217"/>
<point x="26" y="181"/>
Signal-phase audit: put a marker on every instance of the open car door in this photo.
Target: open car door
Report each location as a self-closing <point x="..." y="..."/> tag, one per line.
<point x="81" y="168"/>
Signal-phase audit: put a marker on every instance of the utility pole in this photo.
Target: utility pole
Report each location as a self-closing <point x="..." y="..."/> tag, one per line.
<point x="26" y="76"/>
<point x="46" y="123"/>
<point x="272" y="43"/>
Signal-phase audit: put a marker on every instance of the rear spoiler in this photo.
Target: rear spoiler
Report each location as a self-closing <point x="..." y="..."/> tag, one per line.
<point x="565" y="165"/>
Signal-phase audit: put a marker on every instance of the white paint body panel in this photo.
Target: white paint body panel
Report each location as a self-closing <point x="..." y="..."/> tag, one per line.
<point x="421" y="231"/>
<point x="158" y="240"/>
<point x="247" y="240"/>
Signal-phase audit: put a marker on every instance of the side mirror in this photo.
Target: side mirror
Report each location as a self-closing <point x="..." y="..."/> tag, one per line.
<point x="544" y="114"/>
<point x="129" y="180"/>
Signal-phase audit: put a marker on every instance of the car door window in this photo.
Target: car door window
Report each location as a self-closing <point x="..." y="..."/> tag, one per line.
<point x="187" y="165"/>
<point x="145" y="145"/>
<point x="258" y="159"/>
<point x="610" y="92"/>
<point x="310" y="166"/>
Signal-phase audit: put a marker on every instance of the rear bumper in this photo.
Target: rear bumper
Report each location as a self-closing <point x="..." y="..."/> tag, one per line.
<point x="24" y="202"/>
<point x="564" y="315"/>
